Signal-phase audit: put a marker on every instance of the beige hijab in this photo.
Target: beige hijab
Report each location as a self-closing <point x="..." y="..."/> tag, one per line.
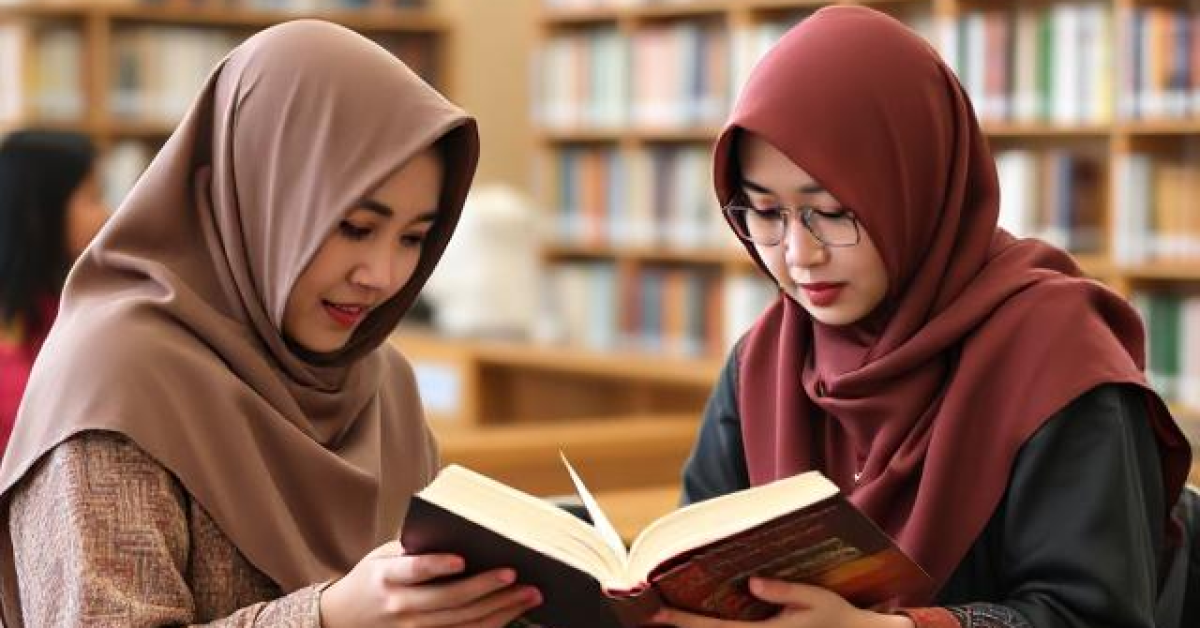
<point x="170" y="325"/>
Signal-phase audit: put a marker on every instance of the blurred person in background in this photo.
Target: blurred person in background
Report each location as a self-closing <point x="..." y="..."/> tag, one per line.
<point x="50" y="208"/>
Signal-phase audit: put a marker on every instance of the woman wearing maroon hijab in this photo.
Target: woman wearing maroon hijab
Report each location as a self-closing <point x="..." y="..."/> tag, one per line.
<point x="971" y="392"/>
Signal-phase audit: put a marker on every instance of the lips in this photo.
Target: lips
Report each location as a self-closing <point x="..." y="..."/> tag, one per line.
<point x="345" y="315"/>
<point x="822" y="294"/>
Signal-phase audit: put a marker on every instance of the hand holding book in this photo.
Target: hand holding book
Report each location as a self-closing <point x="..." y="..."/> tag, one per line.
<point x="800" y="605"/>
<point x="698" y="558"/>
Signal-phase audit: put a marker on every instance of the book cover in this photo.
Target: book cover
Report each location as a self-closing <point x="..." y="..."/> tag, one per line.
<point x="697" y="559"/>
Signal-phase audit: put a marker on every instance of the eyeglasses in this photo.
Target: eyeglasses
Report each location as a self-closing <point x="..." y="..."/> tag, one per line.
<point x="835" y="226"/>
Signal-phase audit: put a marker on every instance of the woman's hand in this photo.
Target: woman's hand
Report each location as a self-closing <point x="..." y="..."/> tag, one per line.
<point x="391" y="588"/>
<point x="804" y="606"/>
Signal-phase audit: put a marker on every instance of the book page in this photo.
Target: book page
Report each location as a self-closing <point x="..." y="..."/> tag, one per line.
<point x="704" y="522"/>
<point x="603" y="526"/>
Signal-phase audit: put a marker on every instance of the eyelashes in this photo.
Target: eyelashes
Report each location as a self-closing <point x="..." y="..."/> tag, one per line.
<point x="357" y="233"/>
<point x="413" y="240"/>
<point x="353" y="231"/>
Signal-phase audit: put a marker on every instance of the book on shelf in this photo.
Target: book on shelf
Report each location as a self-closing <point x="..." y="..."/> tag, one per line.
<point x="698" y="558"/>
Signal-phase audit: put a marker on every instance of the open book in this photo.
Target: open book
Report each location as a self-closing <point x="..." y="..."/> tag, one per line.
<point x="697" y="558"/>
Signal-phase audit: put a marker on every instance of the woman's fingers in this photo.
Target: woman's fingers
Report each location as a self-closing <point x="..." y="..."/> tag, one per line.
<point x="404" y="570"/>
<point x="510" y="602"/>
<point x="787" y="593"/>
<point x="459" y="592"/>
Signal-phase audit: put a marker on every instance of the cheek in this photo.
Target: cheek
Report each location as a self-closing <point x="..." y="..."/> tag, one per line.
<point x="874" y="274"/>
<point x="297" y="301"/>
<point x="406" y="267"/>
<point x="773" y="258"/>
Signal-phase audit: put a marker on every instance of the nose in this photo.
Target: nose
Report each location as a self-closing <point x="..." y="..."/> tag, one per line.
<point x="376" y="270"/>
<point x="801" y="247"/>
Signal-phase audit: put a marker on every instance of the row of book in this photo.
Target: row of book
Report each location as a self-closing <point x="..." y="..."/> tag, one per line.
<point x="49" y="83"/>
<point x="1036" y="63"/>
<point x="1043" y="63"/>
<point x="1069" y="63"/>
<point x="1064" y="63"/>
<point x="155" y="71"/>
<point x="661" y="309"/>
<point x="661" y="195"/>
<point x="658" y="195"/>
<point x="1055" y="195"/>
<point x="679" y="74"/>
<point x="1173" y="330"/>
<point x="1160" y="77"/>
<point x="1157" y="207"/>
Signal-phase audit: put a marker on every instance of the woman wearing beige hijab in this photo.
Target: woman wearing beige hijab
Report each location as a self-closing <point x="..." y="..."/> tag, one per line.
<point x="215" y="427"/>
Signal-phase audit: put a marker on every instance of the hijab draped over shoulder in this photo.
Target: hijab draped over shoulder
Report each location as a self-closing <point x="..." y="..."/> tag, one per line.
<point x="981" y="338"/>
<point x="169" y="331"/>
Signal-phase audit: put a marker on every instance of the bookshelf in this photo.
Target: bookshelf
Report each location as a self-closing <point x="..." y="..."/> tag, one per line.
<point x="1119" y="146"/>
<point x="124" y="71"/>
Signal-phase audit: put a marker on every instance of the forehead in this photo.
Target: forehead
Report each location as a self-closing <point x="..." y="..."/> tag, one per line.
<point x="766" y="165"/>
<point x="420" y="176"/>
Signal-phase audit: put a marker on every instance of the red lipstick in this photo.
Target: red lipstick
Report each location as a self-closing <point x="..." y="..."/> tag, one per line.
<point x="823" y="294"/>
<point x="345" y="315"/>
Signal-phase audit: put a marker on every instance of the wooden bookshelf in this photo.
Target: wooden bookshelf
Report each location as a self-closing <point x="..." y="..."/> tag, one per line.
<point x="496" y="382"/>
<point x="1186" y="273"/>
<point x="707" y="256"/>
<point x="370" y="19"/>
<point x="100" y="23"/>
<point x="1106" y="140"/>
<point x="1158" y="128"/>
<point x="1044" y="131"/>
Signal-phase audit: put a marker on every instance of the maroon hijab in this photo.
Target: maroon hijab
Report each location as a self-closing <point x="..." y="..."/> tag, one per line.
<point x="981" y="338"/>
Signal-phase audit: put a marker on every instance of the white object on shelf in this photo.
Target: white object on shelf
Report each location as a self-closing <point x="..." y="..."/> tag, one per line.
<point x="487" y="282"/>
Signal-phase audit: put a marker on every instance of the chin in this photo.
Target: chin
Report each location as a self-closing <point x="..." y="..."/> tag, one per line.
<point x="835" y="320"/>
<point x="831" y="316"/>
<point x="321" y="346"/>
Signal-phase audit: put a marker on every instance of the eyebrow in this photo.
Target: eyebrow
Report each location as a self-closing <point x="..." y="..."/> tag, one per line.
<point x="382" y="209"/>
<point x="808" y="188"/>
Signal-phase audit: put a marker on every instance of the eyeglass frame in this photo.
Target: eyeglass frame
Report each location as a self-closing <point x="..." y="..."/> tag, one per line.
<point x="805" y="214"/>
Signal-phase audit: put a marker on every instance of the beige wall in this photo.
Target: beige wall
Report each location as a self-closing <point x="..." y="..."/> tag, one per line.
<point x="492" y="44"/>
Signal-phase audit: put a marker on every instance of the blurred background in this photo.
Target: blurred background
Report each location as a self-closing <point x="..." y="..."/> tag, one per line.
<point x="590" y="295"/>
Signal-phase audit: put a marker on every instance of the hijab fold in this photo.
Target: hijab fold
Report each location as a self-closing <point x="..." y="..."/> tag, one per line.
<point x="169" y="331"/>
<point x="981" y="337"/>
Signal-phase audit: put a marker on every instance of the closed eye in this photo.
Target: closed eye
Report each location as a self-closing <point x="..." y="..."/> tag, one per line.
<point x="353" y="231"/>
<point x="836" y="212"/>
<point x="768" y="212"/>
<point x="413" y="240"/>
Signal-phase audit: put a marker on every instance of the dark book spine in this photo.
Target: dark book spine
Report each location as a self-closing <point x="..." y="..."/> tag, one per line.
<point x="572" y="598"/>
